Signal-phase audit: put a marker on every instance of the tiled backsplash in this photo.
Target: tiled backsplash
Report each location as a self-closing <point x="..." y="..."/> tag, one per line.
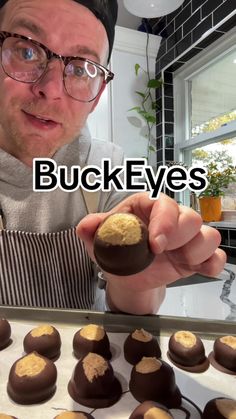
<point x="228" y="243"/>
<point x="185" y="32"/>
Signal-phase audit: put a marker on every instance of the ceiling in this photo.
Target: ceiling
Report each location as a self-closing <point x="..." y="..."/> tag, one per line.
<point x="125" y="18"/>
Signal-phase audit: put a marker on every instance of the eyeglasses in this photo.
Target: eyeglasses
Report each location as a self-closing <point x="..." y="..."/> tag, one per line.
<point x="26" y="60"/>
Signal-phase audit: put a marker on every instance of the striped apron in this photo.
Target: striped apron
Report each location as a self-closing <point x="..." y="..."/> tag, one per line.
<point x="45" y="270"/>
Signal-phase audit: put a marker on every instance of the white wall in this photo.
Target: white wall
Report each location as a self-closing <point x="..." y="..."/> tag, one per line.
<point x="110" y="119"/>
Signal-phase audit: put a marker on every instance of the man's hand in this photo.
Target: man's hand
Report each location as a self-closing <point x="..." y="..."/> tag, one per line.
<point x="182" y="245"/>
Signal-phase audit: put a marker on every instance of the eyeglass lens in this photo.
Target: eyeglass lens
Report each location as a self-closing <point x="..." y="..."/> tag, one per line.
<point x="25" y="61"/>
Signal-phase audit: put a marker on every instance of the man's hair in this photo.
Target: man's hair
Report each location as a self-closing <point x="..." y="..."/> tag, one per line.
<point x="105" y="10"/>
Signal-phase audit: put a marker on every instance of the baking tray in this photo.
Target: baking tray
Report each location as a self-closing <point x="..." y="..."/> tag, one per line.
<point x="197" y="387"/>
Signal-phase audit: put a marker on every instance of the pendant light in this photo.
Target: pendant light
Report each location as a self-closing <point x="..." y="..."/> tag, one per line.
<point x="152" y="8"/>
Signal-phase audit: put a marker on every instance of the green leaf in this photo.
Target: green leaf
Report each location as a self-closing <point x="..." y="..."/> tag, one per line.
<point x="137" y="67"/>
<point x="136" y="122"/>
<point x="136" y="108"/>
<point x="151" y="148"/>
<point x="154" y="84"/>
<point x="142" y="112"/>
<point x="150" y="118"/>
<point x="140" y="94"/>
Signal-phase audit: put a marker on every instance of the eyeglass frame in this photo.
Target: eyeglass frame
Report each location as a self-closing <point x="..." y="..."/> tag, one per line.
<point x="108" y="74"/>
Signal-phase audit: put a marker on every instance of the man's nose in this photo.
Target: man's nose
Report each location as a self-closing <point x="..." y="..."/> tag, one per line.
<point x="50" y="85"/>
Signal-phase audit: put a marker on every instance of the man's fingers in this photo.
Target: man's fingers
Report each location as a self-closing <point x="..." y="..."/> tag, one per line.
<point x="87" y="228"/>
<point x="172" y="226"/>
<point x="214" y="265"/>
<point x="199" y="249"/>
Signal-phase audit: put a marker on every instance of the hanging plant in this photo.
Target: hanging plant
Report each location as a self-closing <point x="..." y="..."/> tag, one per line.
<point x="146" y="108"/>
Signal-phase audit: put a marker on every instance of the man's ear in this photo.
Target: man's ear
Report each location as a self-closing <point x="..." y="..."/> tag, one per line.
<point x="98" y="97"/>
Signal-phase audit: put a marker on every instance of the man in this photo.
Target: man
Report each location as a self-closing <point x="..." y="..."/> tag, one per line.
<point x="46" y="95"/>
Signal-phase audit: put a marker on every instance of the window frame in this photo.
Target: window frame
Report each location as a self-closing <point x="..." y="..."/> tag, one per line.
<point x="184" y="143"/>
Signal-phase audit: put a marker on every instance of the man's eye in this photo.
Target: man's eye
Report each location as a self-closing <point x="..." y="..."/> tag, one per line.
<point x="28" y="54"/>
<point x="79" y="71"/>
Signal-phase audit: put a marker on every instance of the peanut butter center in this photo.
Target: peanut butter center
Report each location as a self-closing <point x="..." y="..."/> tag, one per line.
<point x="185" y="338"/>
<point x="156" y="413"/>
<point x="227" y="408"/>
<point x="229" y="341"/>
<point x="45" y="329"/>
<point x="142" y="335"/>
<point x="120" y="229"/>
<point x="148" y="365"/>
<point x="94" y="366"/>
<point x="92" y="332"/>
<point x="30" y="365"/>
<point x="71" y="415"/>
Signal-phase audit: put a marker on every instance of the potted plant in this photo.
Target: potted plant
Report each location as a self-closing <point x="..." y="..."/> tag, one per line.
<point x="218" y="182"/>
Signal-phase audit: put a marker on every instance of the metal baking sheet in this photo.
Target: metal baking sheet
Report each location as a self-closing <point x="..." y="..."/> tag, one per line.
<point x="198" y="387"/>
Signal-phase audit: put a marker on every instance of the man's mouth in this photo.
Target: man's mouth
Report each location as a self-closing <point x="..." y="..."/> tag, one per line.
<point x="41" y="121"/>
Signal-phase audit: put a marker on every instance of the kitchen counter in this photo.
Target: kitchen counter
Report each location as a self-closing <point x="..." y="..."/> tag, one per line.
<point x="203" y="297"/>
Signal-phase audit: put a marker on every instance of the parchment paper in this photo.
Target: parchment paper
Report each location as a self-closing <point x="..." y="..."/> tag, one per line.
<point x="198" y="387"/>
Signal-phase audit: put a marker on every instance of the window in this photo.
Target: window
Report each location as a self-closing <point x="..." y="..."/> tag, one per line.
<point x="205" y="110"/>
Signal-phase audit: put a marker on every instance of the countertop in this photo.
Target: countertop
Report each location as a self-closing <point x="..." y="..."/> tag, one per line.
<point x="203" y="297"/>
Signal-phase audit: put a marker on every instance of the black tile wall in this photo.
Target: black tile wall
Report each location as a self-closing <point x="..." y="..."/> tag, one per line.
<point x="210" y="6"/>
<point x="224" y="236"/>
<point x="169" y="103"/>
<point x="231" y="254"/>
<point x="232" y="238"/>
<point x="183" y="45"/>
<point x="159" y="143"/>
<point x="197" y="3"/>
<point x="167" y="58"/>
<point x="190" y="23"/>
<point x="223" y="11"/>
<point x="173" y="39"/>
<point x="210" y="39"/>
<point x="228" y="243"/>
<point x="168" y="77"/>
<point x="190" y="54"/>
<point x="168" y="89"/>
<point x="229" y="24"/>
<point x="185" y="34"/>
<point x="169" y="142"/>
<point x="183" y="16"/>
<point x="169" y="116"/>
<point x="203" y="27"/>
<point x="169" y="154"/>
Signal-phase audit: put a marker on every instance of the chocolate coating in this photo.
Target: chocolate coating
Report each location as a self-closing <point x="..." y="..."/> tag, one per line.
<point x="158" y="385"/>
<point x="220" y="408"/>
<point x="135" y="349"/>
<point x="82" y="345"/>
<point x="74" y="415"/>
<point x="225" y="352"/>
<point x="189" y="355"/>
<point x="46" y="344"/>
<point x="92" y="387"/>
<point x="161" y="411"/>
<point x="31" y="386"/>
<point x="5" y="333"/>
<point x="123" y="259"/>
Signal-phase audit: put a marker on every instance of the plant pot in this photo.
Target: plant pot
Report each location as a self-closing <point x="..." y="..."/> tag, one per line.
<point x="210" y="208"/>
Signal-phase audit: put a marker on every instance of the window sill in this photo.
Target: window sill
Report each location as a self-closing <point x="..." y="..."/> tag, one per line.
<point x="226" y="224"/>
<point x="228" y="220"/>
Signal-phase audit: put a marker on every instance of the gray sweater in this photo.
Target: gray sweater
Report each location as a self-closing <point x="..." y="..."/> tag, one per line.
<point x="43" y="263"/>
<point x="44" y="212"/>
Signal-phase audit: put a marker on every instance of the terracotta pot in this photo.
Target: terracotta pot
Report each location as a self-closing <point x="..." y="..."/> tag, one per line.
<point x="210" y="208"/>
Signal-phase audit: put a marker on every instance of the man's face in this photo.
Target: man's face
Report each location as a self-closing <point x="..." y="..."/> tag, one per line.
<point x="69" y="29"/>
